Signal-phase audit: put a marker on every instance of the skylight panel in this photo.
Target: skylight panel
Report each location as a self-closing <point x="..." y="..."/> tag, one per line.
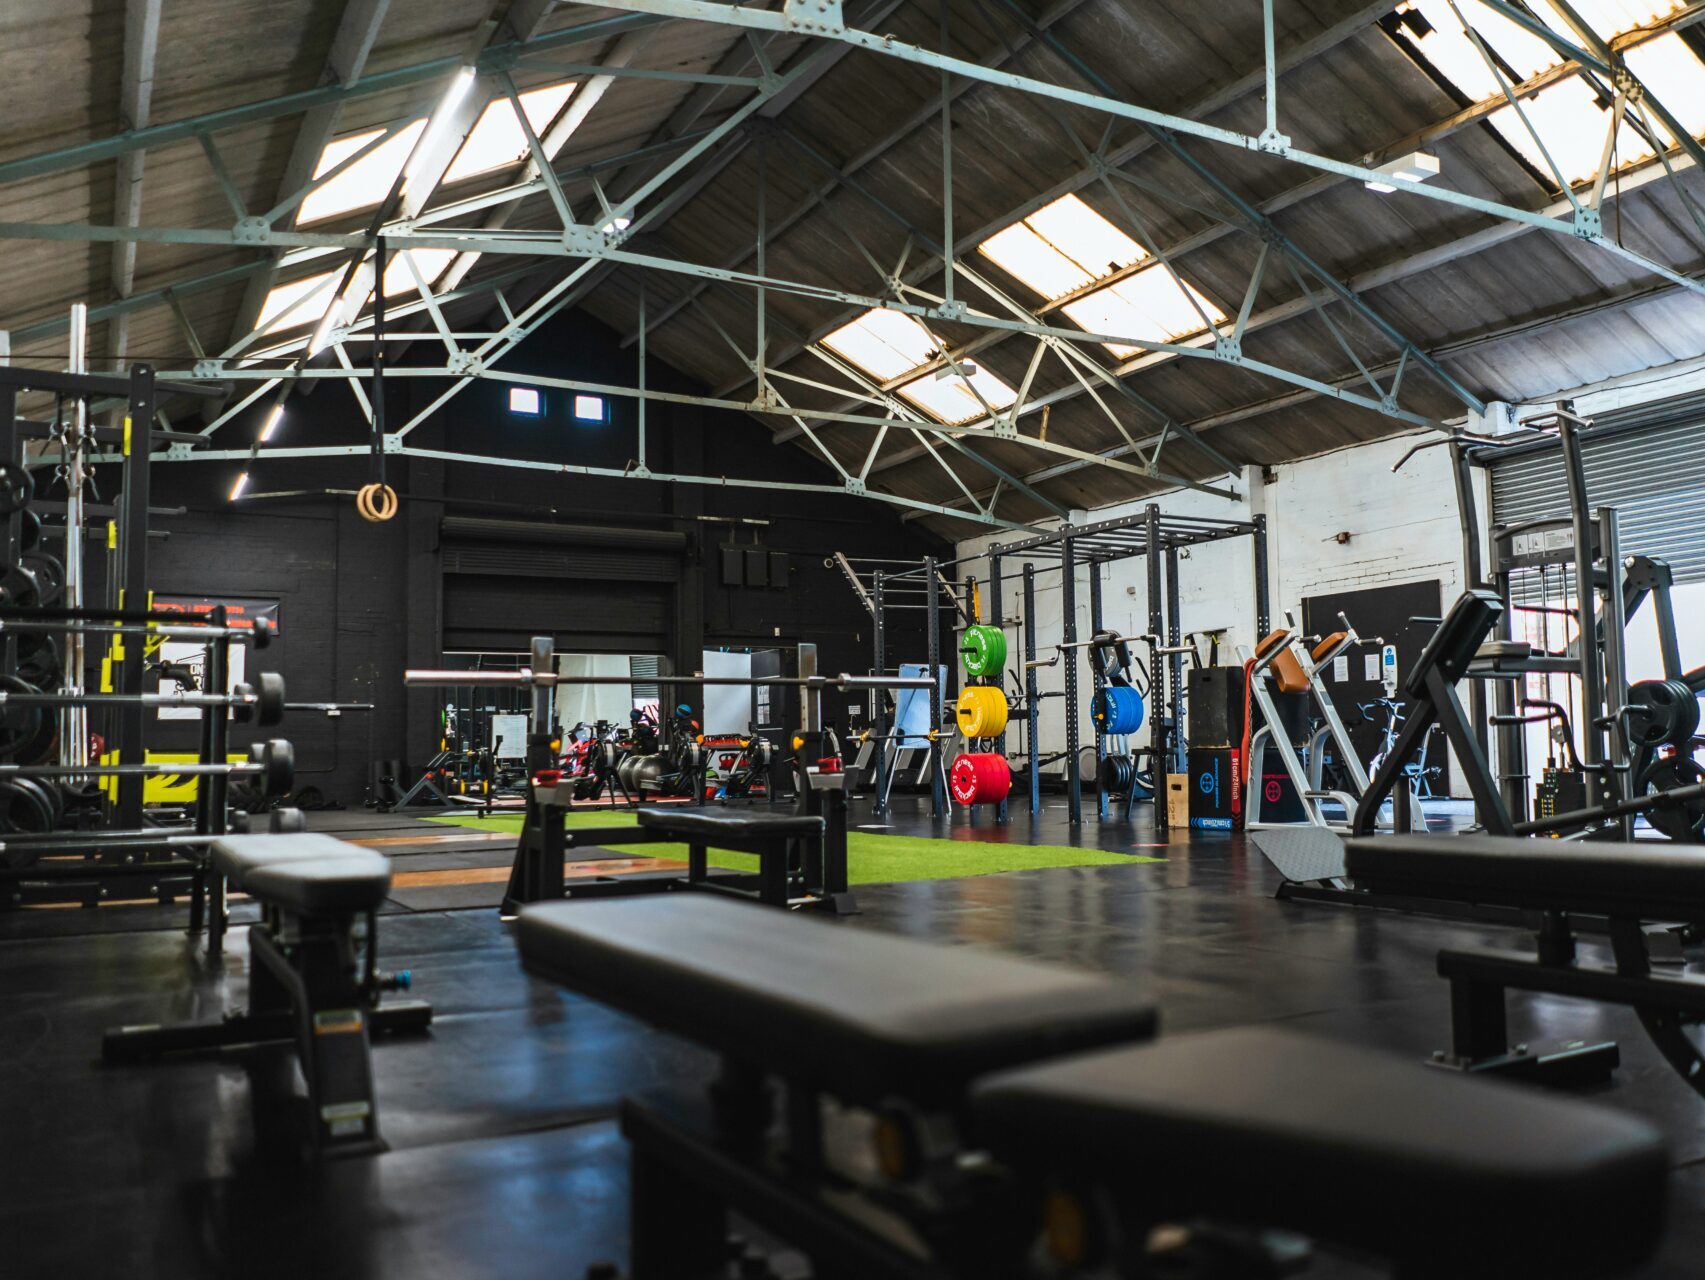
<point x="1061" y="247"/>
<point x="497" y="141"/>
<point x="294" y="303"/>
<point x="366" y="182"/>
<point x="1610" y="18"/>
<point x="1148" y="304"/>
<point x="399" y="280"/>
<point x="885" y="344"/>
<point x="1572" y="122"/>
<point x="950" y="399"/>
<point x="1449" y="49"/>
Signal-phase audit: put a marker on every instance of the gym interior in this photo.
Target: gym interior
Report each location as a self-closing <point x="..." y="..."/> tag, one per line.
<point x="852" y="638"/>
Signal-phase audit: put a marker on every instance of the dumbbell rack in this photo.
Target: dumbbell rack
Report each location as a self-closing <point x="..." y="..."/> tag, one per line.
<point x="45" y="864"/>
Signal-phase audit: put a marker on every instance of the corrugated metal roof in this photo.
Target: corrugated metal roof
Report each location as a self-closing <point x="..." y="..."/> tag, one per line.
<point x="1509" y="315"/>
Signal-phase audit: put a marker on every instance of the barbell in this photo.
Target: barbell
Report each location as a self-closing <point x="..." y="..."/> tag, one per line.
<point x="527" y="678"/>
<point x="261" y="702"/>
<point x="272" y="761"/>
<point x="260" y="631"/>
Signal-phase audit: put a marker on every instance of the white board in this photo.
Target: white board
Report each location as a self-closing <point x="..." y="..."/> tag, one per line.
<point x="727" y="707"/>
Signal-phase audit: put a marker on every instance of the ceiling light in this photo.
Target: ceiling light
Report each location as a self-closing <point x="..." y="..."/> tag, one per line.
<point x="272" y="421"/>
<point x="1417" y="166"/>
<point x="616" y="224"/>
<point x="948" y="371"/>
<point x="237" y="489"/>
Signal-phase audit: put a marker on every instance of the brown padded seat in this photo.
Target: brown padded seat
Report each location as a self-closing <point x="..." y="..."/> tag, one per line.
<point x="1326" y="645"/>
<point x="1269" y="640"/>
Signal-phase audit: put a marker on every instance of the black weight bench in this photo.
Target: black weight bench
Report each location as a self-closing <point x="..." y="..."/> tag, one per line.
<point x="313" y="978"/>
<point x="800" y="863"/>
<point x="948" y="1052"/>
<point x="1624" y="885"/>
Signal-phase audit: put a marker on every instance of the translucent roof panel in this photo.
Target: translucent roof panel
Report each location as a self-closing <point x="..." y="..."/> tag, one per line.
<point x="297" y="302"/>
<point x="1608" y="17"/>
<point x="366" y="182"/>
<point x="885" y="344"/>
<point x="399" y="280"/>
<point x="496" y="141"/>
<point x="950" y="399"/>
<point x="1572" y="122"/>
<point x="1149" y="304"/>
<point x="1450" y="50"/>
<point x="1061" y="247"/>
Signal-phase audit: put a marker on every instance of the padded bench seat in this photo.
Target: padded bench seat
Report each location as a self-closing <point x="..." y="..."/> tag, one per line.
<point x="864" y="1015"/>
<point x="1640" y="880"/>
<point x="304" y="871"/>
<point x="730" y="828"/>
<point x="1275" y="1128"/>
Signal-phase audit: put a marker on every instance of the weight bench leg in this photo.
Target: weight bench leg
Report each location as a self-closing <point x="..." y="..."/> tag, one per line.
<point x="677" y="1226"/>
<point x="1479" y="1029"/>
<point x="1480" y="1042"/>
<point x="698" y="862"/>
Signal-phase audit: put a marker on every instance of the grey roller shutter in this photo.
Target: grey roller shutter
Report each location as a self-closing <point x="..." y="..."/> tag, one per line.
<point x="1648" y="463"/>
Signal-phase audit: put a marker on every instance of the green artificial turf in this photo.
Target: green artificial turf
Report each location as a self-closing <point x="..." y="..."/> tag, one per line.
<point x="871" y="859"/>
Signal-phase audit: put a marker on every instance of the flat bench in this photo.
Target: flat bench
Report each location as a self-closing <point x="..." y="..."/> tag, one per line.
<point x="957" y="1051"/>
<point x="1627" y="885"/>
<point x="314" y="981"/>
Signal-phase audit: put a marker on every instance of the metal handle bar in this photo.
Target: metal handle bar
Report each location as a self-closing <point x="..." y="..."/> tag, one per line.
<point x="527" y="677"/>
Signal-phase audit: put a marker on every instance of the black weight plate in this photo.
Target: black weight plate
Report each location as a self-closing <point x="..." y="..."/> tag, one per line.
<point x="29" y="530"/>
<point x="19" y="588"/>
<point x="17" y="487"/>
<point x="43" y="745"/>
<point x="1661" y="711"/>
<point x="25" y="807"/>
<point x="1678" y="822"/>
<point x="18" y="724"/>
<point x="39" y="660"/>
<point x="50" y="575"/>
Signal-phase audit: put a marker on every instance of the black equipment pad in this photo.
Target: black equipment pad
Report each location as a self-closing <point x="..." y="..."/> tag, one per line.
<point x="1272" y="1128"/>
<point x="1643" y="880"/>
<point x="866" y="1016"/>
<point x="1302" y="854"/>
<point x="709" y="828"/>
<point x="304" y="871"/>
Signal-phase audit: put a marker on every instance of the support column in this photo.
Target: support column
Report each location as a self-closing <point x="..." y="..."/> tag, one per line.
<point x="879" y="722"/>
<point x="1100" y="682"/>
<point x="932" y="597"/>
<point x="1032" y="708"/>
<point x="997" y="619"/>
<point x="1157" y="628"/>
<point x="1175" y="661"/>
<point x="1068" y="604"/>
<point x="133" y="578"/>
<point x="1263" y="606"/>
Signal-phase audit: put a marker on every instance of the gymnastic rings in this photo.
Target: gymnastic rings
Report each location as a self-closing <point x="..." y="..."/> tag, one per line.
<point x="376" y="502"/>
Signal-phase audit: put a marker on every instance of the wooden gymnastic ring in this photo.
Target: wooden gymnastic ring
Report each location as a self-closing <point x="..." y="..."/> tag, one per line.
<point x="376" y="502"/>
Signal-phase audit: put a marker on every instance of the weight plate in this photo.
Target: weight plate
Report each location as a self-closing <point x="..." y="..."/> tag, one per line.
<point x="1118" y="709"/>
<point x="25" y="807"/>
<point x="18" y="724"/>
<point x="19" y="588"/>
<point x="39" y="660"/>
<point x="29" y="530"/>
<point x="287" y="820"/>
<point x="981" y="711"/>
<point x="49" y="573"/>
<point x="1684" y="821"/>
<point x="1661" y="711"/>
<point x="984" y="650"/>
<point x="17" y="487"/>
<point x="269" y="696"/>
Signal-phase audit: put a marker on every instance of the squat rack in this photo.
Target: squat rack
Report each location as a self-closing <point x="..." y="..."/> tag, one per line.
<point x="1149" y="533"/>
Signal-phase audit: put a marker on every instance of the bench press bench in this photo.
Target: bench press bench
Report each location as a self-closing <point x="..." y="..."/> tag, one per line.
<point x="801" y="862"/>
<point x="942" y="1055"/>
<point x="313" y="978"/>
<point x="1625" y="886"/>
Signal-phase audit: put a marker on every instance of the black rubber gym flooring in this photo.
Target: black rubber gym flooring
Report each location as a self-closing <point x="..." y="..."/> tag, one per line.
<point x="504" y="1160"/>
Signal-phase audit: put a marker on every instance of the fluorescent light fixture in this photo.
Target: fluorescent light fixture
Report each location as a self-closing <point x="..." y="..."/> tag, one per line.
<point x="1417" y="166"/>
<point x="237" y="489"/>
<point x="464" y="80"/>
<point x="272" y="421"/>
<point x="525" y="400"/>
<point x="591" y="408"/>
<point x="618" y="224"/>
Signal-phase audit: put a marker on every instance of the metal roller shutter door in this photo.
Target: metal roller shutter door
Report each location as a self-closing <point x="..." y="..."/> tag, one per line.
<point x="1648" y="463"/>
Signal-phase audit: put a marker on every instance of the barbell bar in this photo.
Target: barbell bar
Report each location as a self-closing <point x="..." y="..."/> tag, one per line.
<point x="261" y="635"/>
<point x="273" y="761"/>
<point x="263" y="701"/>
<point x="527" y="677"/>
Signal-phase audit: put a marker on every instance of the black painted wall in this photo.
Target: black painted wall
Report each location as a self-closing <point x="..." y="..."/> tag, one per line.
<point x="360" y="602"/>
